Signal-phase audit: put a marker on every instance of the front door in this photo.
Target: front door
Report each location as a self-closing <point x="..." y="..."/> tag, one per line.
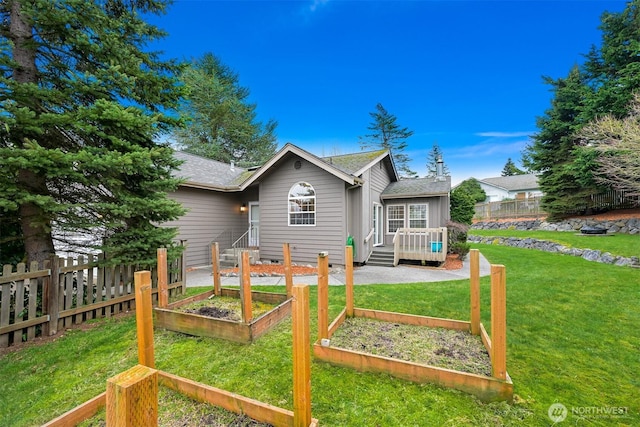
<point x="254" y="224"/>
<point x="377" y="225"/>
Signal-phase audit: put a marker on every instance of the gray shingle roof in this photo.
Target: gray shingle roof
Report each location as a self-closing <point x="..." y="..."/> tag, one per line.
<point x="200" y="170"/>
<point x="417" y="187"/>
<point x="514" y="182"/>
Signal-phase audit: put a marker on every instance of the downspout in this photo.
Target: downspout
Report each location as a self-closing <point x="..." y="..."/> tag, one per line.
<point x="358" y="184"/>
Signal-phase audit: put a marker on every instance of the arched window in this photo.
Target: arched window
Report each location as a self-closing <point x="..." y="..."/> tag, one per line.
<point x="302" y="204"/>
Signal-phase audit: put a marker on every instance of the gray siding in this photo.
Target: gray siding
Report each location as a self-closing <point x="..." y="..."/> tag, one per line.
<point x="438" y="214"/>
<point x="329" y="233"/>
<point x="209" y="213"/>
<point x="376" y="180"/>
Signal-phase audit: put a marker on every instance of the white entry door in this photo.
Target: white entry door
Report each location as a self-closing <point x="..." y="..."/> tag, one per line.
<point x="377" y="225"/>
<point x="254" y="224"/>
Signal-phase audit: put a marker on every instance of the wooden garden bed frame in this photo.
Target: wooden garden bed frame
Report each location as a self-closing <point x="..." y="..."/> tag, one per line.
<point x="116" y="403"/>
<point x="244" y="331"/>
<point x="496" y="387"/>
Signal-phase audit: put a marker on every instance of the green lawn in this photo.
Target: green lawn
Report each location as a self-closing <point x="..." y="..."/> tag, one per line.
<point x="618" y="244"/>
<point x="573" y="338"/>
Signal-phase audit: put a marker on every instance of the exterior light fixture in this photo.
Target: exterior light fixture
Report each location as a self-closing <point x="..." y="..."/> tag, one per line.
<point x="243" y="208"/>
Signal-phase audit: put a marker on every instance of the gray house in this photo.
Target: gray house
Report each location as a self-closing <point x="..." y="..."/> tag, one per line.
<point x="315" y="204"/>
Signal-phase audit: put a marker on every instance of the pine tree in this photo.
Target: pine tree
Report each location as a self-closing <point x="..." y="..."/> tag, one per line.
<point x="222" y="123"/>
<point x="434" y="156"/>
<point x="552" y="152"/>
<point x="387" y="134"/>
<point x="472" y="187"/>
<point x="510" y="169"/>
<point x="82" y="104"/>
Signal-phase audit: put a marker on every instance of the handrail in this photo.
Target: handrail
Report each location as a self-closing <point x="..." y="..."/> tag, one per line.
<point x="233" y="245"/>
<point x="369" y="236"/>
<point x="395" y="236"/>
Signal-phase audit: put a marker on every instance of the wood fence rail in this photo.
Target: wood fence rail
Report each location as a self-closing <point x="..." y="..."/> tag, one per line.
<point x="41" y="299"/>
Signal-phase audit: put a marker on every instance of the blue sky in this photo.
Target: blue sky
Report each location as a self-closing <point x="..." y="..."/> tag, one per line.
<point x="464" y="74"/>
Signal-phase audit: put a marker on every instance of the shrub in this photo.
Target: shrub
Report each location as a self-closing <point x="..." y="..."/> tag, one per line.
<point x="461" y="249"/>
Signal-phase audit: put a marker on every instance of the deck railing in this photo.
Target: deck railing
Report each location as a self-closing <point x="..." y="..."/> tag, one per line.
<point x="420" y="244"/>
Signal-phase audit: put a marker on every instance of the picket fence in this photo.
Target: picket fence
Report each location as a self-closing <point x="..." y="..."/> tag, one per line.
<point x="41" y="299"/>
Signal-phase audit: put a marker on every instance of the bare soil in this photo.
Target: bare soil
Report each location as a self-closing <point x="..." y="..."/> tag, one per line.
<point x="443" y="348"/>
<point x="225" y="308"/>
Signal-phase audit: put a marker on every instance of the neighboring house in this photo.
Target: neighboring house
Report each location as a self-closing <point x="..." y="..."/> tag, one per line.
<point x="312" y="203"/>
<point x="517" y="187"/>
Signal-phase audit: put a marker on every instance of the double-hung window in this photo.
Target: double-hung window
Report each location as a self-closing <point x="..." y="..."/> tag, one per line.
<point x="418" y="216"/>
<point x="302" y="204"/>
<point x="395" y="218"/>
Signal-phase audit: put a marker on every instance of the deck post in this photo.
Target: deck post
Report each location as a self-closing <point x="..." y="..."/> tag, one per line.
<point x="349" y="279"/>
<point x="474" y="278"/>
<point x="144" y="318"/>
<point x="323" y="295"/>
<point x="215" y="267"/>
<point x="301" y="357"/>
<point x="498" y="322"/>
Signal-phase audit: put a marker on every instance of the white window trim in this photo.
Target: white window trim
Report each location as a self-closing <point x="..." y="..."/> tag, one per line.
<point x="408" y="214"/>
<point x="315" y="206"/>
<point x="387" y="219"/>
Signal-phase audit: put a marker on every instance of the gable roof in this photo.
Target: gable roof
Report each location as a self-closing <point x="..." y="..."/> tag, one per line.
<point x="315" y="160"/>
<point x="201" y="172"/>
<point x="513" y="183"/>
<point x="356" y="163"/>
<point x="417" y="187"/>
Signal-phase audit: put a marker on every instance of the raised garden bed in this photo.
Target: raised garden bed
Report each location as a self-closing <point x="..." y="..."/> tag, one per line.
<point x="175" y="319"/>
<point x="492" y="385"/>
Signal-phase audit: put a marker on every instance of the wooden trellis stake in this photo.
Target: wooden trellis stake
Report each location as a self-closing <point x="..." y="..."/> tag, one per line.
<point x="245" y="288"/>
<point x="132" y="398"/>
<point x="474" y="279"/>
<point x="323" y="295"/>
<point x="498" y="321"/>
<point x="288" y="274"/>
<point x="349" y="279"/>
<point x="144" y="318"/>
<point x="301" y="357"/>
<point x="215" y="268"/>
<point x="163" y="279"/>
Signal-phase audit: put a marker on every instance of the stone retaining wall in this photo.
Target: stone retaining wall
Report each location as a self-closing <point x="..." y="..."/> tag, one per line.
<point x="626" y="226"/>
<point x="545" y="245"/>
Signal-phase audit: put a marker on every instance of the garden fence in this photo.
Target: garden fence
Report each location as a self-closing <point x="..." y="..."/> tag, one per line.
<point x="41" y="299"/>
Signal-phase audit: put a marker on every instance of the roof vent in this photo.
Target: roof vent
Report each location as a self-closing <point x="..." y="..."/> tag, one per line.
<point x="297" y="164"/>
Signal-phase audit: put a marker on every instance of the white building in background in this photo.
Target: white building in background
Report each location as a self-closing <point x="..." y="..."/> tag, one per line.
<point x="515" y="187"/>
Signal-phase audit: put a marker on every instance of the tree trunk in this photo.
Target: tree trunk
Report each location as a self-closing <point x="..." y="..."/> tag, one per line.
<point x="35" y="221"/>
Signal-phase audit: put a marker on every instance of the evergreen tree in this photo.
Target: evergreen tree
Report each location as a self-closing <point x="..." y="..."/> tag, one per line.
<point x="222" y="123"/>
<point x="435" y="154"/>
<point x="472" y="187"/>
<point x="552" y="152"/>
<point x="82" y="103"/>
<point x="510" y="169"/>
<point x="462" y="206"/>
<point x="387" y="134"/>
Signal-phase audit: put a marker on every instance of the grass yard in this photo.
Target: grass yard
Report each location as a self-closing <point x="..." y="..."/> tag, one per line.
<point x="573" y="338"/>
<point x="626" y="245"/>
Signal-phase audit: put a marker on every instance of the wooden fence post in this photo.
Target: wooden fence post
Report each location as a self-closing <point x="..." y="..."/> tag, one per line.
<point x="288" y="275"/>
<point x="144" y="318"/>
<point x="498" y="322"/>
<point x="183" y="266"/>
<point x="163" y="291"/>
<point x="215" y="267"/>
<point x="323" y="295"/>
<point x="245" y="289"/>
<point x="53" y="290"/>
<point x="349" y="279"/>
<point x="474" y="280"/>
<point x="301" y="357"/>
